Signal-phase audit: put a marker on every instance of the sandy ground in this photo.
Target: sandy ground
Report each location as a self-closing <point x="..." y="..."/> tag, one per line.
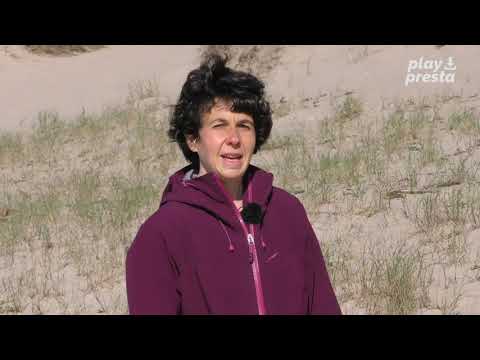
<point x="375" y="74"/>
<point x="31" y="83"/>
<point x="376" y="71"/>
<point x="310" y="76"/>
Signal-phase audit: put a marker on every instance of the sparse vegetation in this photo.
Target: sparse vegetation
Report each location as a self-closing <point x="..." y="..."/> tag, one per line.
<point x="349" y="109"/>
<point x="11" y="147"/>
<point x="141" y="90"/>
<point x="62" y="50"/>
<point x="81" y="218"/>
<point x="464" y="121"/>
<point x="393" y="281"/>
<point x="77" y="189"/>
<point x="255" y="59"/>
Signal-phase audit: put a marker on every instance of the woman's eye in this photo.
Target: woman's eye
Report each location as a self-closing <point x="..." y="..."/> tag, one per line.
<point x="242" y="125"/>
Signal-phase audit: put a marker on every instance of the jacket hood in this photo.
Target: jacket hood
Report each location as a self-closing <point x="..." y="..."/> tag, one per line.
<point x="208" y="193"/>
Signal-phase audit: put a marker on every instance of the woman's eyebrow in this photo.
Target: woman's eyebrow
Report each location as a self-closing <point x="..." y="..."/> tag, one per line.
<point x="240" y="121"/>
<point x="219" y="119"/>
<point x="246" y="121"/>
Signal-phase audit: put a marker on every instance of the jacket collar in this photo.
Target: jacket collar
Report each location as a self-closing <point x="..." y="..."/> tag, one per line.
<point x="206" y="191"/>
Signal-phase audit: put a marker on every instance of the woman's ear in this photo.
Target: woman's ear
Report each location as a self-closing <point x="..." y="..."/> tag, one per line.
<point x="192" y="143"/>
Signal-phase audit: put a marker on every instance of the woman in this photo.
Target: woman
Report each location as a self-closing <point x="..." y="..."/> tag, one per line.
<point x="224" y="239"/>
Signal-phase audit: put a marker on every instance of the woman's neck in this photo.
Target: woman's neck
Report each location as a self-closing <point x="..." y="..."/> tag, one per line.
<point x="233" y="187"/>
<point x="235" y="190"/>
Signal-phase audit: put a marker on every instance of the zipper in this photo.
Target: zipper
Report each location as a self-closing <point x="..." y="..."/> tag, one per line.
<point x="257" y="278"/>
<point x="251" y="244"/>
<point x="252" y="251"/>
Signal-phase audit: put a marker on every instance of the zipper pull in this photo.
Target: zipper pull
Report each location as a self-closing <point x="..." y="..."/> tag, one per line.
<point x="251" y="243"/>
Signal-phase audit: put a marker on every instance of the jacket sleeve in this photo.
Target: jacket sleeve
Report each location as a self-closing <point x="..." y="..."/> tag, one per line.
<point x="150" y="276"/>
<point x="321" y="296"/>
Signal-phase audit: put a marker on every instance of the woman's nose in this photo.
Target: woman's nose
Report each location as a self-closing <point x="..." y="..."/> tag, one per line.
<point x="233" y="136"/>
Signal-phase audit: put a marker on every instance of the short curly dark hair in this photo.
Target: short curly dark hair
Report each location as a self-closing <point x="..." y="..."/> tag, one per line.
<point x="212" y="81"/>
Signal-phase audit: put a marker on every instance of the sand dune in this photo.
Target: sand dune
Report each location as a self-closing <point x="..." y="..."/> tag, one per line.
<point x="412" y="182"/>
<point x="32" y="83"/>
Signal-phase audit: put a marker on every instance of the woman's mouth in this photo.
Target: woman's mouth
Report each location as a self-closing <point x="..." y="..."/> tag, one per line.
<point x="232" y="160"/>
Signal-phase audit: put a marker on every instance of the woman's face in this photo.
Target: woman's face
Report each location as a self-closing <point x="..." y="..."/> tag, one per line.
<point x="226" y="142"/>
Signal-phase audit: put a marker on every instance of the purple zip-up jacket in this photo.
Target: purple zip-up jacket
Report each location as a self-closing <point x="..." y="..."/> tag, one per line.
<point x="196" y="255"/>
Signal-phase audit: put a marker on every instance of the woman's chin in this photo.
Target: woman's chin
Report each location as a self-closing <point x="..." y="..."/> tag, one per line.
<point x="232" y="173"/>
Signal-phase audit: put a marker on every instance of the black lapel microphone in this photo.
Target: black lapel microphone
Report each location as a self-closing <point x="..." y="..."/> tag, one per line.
<point x="252" y="213"/>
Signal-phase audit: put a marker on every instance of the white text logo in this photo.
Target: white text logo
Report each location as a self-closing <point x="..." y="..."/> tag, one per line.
<point x="430" y="71"/>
